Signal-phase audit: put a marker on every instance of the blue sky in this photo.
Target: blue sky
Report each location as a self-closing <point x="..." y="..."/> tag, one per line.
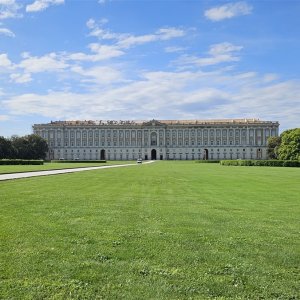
<point x="145" y="59"/>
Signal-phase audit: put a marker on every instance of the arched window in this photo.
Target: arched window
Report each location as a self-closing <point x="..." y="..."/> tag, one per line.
<point x="153" y="139"/>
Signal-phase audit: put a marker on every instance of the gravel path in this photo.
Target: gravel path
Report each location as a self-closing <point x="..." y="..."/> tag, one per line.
<point x="63" y="171"/>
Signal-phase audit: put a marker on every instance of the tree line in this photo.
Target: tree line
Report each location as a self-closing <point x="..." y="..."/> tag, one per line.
<point x="25" y="147"/>
<point x="286" y="146"/>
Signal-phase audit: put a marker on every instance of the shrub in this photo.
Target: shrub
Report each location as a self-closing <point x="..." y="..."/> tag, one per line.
<point x="260" y="163"/>
<point x="207" y="161"/>
<point x="291" y="163"/>
<point x="78" y="161"/>
<point x="229" y="162"/>
<point x="21" y="162"/>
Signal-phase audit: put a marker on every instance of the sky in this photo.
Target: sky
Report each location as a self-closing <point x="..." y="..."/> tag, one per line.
<point x="148" y="59"/>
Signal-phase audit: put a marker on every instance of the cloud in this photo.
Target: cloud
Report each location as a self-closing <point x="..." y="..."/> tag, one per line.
<point x="165" y="95"/>
<point x="126" y="40"/>
<point x="228" y="11"/>
<point x="100" y="74"/>
<point x="4" y="118"/>
<point x="47" y="63"/>
<point x="9" y="9"/>
<point x="223" y="48"/>
<point x="21" y="78"/>
<point x="40" y="5"/>
<point x="218" y="53"/>
<point x="5" y="61"/>
<point x="105" y="51"/>
<point x="173" y="49"/>
<point x="6" y="32"/>
<point x="163" y="34"/>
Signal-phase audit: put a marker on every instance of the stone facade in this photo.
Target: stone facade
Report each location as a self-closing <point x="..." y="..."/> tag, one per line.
<point x="158" y="139"/>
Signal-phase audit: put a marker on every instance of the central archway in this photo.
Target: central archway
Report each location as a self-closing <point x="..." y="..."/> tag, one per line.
<point x="153" y="154"/>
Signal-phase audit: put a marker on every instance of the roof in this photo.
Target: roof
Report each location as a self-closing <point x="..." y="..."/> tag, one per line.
<point x="157" y="122"/>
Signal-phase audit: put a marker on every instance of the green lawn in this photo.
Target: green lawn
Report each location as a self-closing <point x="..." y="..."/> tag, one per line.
<point x="168" y="230"/>
<point x="4" y="169"/>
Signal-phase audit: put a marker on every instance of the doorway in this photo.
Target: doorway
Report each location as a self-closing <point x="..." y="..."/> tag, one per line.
<point x="153" y="154"/>
<point x="205" y="154"/>
<point x="102" y="154"/>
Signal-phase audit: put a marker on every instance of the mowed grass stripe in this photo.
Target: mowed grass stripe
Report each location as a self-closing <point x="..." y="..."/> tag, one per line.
<point x="6" y="169"/>
<point x="169" y="230"/>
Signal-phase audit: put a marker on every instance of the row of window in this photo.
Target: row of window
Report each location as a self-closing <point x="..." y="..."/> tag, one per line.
<point x="180" y="156"/>
<point x="139" y="133"/>
<point x="153" y="143"/>
<point x="140" y="150"/>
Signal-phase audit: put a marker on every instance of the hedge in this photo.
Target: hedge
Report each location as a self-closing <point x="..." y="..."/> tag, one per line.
<point x="265" y="163"/>
<point x="78" y="161"/>
<point x="207" y="161"/>
<point x="21" y="162"/>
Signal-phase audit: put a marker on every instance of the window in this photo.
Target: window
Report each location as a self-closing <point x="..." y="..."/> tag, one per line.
<point x="153" y="139"/>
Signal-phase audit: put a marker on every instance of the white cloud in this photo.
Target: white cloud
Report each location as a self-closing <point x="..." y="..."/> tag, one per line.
<point x="228" y="11"/>
<point x="6" y="32"/>
<point x="100" y="75"/>
<point x="173" y="49"/>
<point x="5" y="61"/>
<point x="9" y="9"/>
<point x="223" y="48"/>
<point x="105" y="51"/>
<point x="7" y="2"/>
<point x="101" y="52"/>
<point x="21" y="78"/>
<point x="218" y="53"/>
<point x="126" y="40"/>
<point x="169" y="33"/>
<point x="169" y="95"/>
<point x="40" y="5"/>
<point x="4" y="118"/>
<point x="47" y="63"/>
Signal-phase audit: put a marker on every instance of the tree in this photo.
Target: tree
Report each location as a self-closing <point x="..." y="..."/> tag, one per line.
<point x="39" y="146"/>
<point x="273" y="145"/>
<point x="6" y="148"/>
<point x="289" y="148"/>
<point x="30" y="147"/>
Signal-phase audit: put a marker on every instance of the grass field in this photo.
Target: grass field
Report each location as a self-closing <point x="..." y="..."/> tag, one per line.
<point x="168" y="230"/>
<point x="5" y="169"/>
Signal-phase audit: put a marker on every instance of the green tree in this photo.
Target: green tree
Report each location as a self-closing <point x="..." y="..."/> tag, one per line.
<point x="30" y="147"/>
<point x="39" y="146"/>
<point x="273" y="145"/>
<point x="289" y="148"/>
<point x="6" y="148"/>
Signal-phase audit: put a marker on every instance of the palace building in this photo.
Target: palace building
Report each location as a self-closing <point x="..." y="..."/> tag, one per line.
<point x="158" y="139"/>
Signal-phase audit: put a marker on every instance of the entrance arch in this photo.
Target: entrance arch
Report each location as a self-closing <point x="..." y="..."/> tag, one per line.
<point x="153" y="154"/>
<point x="258" y="154"/>
<point x="205" y="154"/>
<point x="102" y="154"/>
